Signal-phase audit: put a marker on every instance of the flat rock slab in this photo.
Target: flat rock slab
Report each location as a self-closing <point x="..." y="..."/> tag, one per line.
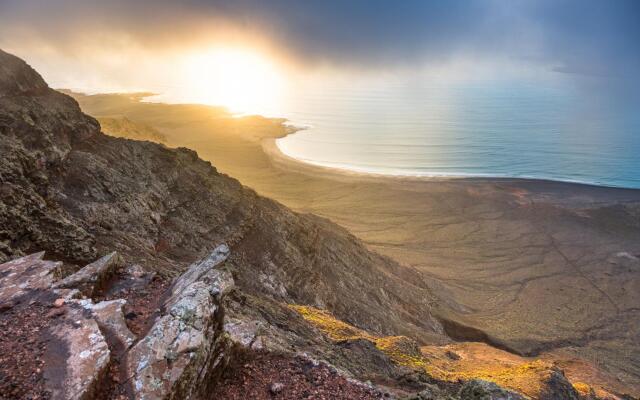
<point x="77" y="356"/>
<point x="93" y="277"/>
<point x="110" y="318"/>
<point x="23" y="275"/>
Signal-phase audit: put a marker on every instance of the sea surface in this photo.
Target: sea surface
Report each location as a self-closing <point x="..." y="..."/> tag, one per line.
<point x="550" y="130"/>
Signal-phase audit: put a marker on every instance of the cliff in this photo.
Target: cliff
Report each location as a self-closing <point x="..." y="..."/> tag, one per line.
<point x="202" y="270"/>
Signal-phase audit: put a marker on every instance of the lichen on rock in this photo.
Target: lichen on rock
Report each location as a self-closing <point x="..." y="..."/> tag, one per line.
<point x="185" y="345"/>
<point x="77" y="374"/>
<point x="24" y="274"/>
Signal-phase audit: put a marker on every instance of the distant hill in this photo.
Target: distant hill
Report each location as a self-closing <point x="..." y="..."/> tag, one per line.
<point x="124" y="127"/>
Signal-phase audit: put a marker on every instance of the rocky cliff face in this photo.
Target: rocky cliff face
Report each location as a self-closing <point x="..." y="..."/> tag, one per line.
<point x="83" y="347"/>
<point x="75" y="193"/>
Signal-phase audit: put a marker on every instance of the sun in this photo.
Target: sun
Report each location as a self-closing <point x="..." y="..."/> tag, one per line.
<point x="242" y="80"/>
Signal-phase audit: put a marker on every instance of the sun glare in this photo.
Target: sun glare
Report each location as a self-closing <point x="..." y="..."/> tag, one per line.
<point x="241" y="80"/>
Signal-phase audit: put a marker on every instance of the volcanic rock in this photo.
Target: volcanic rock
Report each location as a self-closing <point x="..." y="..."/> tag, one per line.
<point x="93" y="277"/>
<point x="184" y="348"/>
<point x="478" y="389"/>
<point x="23" y="275"/>
<point x="77" y="357"/>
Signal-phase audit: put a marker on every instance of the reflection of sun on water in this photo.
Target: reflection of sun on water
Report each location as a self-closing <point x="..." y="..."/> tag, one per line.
<point x="241" y="80"/>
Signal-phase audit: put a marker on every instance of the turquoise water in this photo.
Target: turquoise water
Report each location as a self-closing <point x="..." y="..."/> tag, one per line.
<point x="557" y="131"/>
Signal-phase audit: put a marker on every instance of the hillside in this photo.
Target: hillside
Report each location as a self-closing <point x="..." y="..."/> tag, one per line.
<point x="76" y="194"/>
<point x="124" y="127"/>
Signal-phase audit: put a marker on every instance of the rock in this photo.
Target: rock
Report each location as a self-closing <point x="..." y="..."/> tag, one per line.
<point x="430" y="392"/>
<point x="18" y="78"/>
<point x="68" y="294"/>
<point x="38" y="127"/>
<point x="93" y="277"/>
<point x="136" y="271"/>
<point x="24" y="275"/>
<point x="184" y="348"/>
<point x="58" y="303"/>
<point x="56" y="312"/>
<point x="69" y="189"/>
<point x="478" y="389"/>
<point x="199" y="269"/>
<point x="132" y="278"/>
<point x="556" y="386"/>
<point x="276" y="388"/>
<point x="452" y="355"/>
<point x="78" y="356"/>
<point x="110" y="318"/>
<point x="364" y="353"/>
<point x="244" y="333"/>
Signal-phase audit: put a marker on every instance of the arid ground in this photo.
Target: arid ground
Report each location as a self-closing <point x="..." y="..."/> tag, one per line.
<point x="536" y="268"/>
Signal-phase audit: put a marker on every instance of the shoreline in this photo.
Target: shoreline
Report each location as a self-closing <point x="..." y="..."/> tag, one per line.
<point x="275" y="153"/>
<point x="514" y="259"/>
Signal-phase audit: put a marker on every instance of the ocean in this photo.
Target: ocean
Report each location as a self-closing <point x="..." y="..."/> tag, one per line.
<point x="554" y="130"/>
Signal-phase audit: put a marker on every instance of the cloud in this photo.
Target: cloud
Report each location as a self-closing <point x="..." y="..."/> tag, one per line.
<point x="573" y="36"/>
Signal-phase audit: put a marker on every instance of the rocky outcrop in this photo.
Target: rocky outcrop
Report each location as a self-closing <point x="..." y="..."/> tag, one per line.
<point x="478" y="389"/>
<point x="77" y="354"/>
<point x="180" y="356"/>
<point x="93" y="277"/>
<point x="23" y="275"/>
<point x="556" y="386"/>
<point x="110" y="319"/>
<point x="77" y="357"/>
<point x="16" y="78"/>
<point x="185" y="348"/>
<point x="70" y="190"/>
<point x="38" y="128"/>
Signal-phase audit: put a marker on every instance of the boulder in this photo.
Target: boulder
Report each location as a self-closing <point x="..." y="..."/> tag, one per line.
<point x="479" y="389"/>
<point x="110" y="318"/>
<point x="185" y="346"/>
<point x="93" y="277"/>
<point x="556" y="386"/>
<point x="245" y="333"/>
<point x="430" y="392"/>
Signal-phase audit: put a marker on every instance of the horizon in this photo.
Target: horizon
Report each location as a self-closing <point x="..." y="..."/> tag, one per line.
<point x="179" y="49"/>
<point x="283" y="199"/>
<point x="382" y="88"/>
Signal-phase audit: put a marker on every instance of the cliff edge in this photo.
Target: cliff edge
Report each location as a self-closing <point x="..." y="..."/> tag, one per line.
<point x="196" y="272"/>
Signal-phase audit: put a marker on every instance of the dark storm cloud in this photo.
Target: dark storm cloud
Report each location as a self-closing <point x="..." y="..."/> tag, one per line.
<point x="371" y="31"/>
<point x="581" y="36"/>
<point x="597" y="37"/>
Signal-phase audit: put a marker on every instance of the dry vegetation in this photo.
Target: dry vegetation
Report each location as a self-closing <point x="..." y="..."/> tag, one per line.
<point x="457" y="362"/>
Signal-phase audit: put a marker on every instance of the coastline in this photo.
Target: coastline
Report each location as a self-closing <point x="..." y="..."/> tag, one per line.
<point x="279" y="157"/>
<point x="510" y="259"/>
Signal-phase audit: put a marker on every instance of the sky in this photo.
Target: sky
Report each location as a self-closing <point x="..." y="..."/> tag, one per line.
<point x="133" y="44"/>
